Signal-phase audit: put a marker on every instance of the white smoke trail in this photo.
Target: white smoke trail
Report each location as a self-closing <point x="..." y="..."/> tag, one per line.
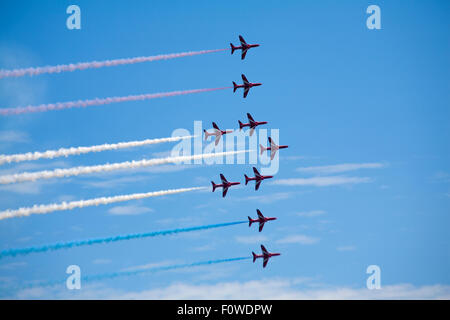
<point x="65" y="152"/>
<point x="69" y="172"/>
<point x="99" y="101"/>
<point x="43" y="209"/>
<point x="98" y="64"/>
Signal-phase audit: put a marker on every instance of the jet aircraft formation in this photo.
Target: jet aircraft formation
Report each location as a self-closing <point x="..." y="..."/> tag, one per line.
<point x="273" y="148"/>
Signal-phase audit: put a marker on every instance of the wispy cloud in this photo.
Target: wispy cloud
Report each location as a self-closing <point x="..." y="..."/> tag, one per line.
<point x="312" y="213"/>
<point x="10" y="136"/>
<point x="346" y="248"/>
<point x="298" y="239"/>
<point x="278" y="288"/>
<point x="441" y="176"/>
<point x="339" y="168"/>
<point x="294" y="158"/>
<point x="101" y="261"/>
<point x="150" y="265"/>
<point x="322" y="181"/>
<point x="13" y="265"/>
<point x="251" y="239"/>
<point x="270" y="198"/>
<point x="283" y="289"/>
<point x="129" y="210"/>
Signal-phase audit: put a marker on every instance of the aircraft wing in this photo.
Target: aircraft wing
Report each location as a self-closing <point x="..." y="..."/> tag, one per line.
<point x="255" y="171"/>
<point x="216" y="142"/>
<point x="244" y="79"/>
<point x="222" y="177"/>
<point x="251" y="131"/>
<point x="241" y="39"/>
<point x="257" y="184"/>
<point x="215" y="126"/>
<point x="264" y="250"/>
<point x="260" y="215"/>
<point x="246" y="92"/>
<point x="224" y="192"/>
<point x="266" y="259"/>
<point x="250" y="118"/>
<point x="273" y="152"/>
<point x="244" y="53"/>
<point x="261" y="226"/>
<point x="272" y="143"/>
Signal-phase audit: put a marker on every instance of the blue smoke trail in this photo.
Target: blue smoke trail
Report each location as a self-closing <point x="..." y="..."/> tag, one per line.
<point x="155" y="269"/>
<point x="88" y="242"/>
<point x="113" y="275"/>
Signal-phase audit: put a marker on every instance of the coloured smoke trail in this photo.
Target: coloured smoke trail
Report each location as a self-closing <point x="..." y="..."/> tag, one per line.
<point x="163" y="268"/>
<point x="70" y="172"/>
<point x="98" y="64"/>
<point x="65" y="152"/>
<point x="48" y="208"/>
<point x="113" y="275"/>
<point x="89" y="242"/>
<point x="99" y="101"/>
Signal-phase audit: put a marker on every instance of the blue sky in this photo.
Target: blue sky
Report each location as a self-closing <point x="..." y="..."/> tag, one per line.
<point x="338" y="92"/>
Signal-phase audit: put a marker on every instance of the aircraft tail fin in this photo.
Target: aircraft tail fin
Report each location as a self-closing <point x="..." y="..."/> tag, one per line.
<point x="246" y="179"/>
<point x="206" y="134"/>
<point x="250" y="221"/>
<point x="241" y="125"/>
<point x="262" y="148"/>
<point x="214" y="186"/>
<point x="234" y="86"/>
<point x="254" y="256"/>
<point x="232" y="48"/>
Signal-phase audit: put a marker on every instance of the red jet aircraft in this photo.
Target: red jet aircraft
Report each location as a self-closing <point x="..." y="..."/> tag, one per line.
<point x="251" y="123"/>
<point x="217" y="133"/>
<point x="246" y="85"/>
<point x="225" y="185"/>
<point x="261" y="220"/>
<point x="258" y="178"/>
<point x="266" y="255"/>
<point x="244" y="47"/>
<point x="273" y="148"/>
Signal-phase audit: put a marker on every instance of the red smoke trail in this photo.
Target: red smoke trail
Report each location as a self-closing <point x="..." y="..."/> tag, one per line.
<point x="98" y="64"/>
<point x="99" y="101"/>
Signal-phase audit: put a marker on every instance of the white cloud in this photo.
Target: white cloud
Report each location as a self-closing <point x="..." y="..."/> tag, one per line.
<point x="269" y="198"/>
<point x="298" y="239"/>
<point x="24" y="188"/>
<point x="312" y="213"/>
<point x="150" y="266"/>
<point x="322" y="181"/>
<point x="11" y="136"/>
<point x="129" y="210"/>
<point x="20" y="91"/>
<point x="13" y="265"/>
<point x="169" y="168"/>
<point x="441" y="176"/>
<point x="338" y="168"/>
<point x="112" y="183"/>
<point x="346" y="248"/>
<point x="256" y="289"/>
<point x="101" y="261"/>
<point x="289" y="158"/>
<point x="251" y="239"/>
